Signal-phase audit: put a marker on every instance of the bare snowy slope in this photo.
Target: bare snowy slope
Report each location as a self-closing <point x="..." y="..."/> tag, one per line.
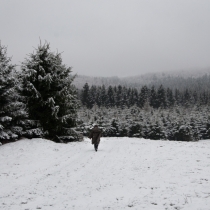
<point x="124" y="174"/>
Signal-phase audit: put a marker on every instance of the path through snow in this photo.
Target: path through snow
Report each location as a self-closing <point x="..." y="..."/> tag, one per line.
<point x="126" y="173"/>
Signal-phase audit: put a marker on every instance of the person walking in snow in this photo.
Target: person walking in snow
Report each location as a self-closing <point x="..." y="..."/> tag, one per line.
<point x="95" y="135"/>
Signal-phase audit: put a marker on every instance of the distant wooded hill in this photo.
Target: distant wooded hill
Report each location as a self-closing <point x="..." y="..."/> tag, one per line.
<point x="192" y="79"/>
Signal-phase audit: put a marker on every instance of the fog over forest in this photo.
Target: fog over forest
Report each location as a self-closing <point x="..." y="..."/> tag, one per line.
<point x="171" y="79"/>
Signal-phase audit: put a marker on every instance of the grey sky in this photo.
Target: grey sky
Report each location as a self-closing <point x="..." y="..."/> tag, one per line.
<point x="111" y="37"/>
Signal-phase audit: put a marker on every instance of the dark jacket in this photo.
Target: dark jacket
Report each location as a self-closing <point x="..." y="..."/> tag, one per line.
<point x="95" y="135"/>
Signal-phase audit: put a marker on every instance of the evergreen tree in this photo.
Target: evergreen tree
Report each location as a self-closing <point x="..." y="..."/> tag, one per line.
<point x="143" y="96"/>
<point x="124" y="97"/>
<point x="103" y="96"/>
<point x="94" y="95"/>
<point x="129" y="97"/>
<point x="170" y="97"/>
<point x="135" y="96"/>
<point x="110" y="97"/>
<point x="119" y="98"/>
<point x="177" y="97"/>
<point x="51" y="97"/>
<point x="186" y="98"/>
<point x="204" y="98"/>
<point x="99" y="96"/>
<point x="161" y="97"/>
<point x="11" y="108"/>
<point x="195" y="97"/>
<point x="85" y="95"/>
<point x="153" y="98"/>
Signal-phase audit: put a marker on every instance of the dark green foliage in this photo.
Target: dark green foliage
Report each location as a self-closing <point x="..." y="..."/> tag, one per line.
<point x="184" y="133"/>
<point x="123" y="131"/>
<point x="110" y="97"/>
<point x="134" y="130"/>
<point x="110" y="132"/>
<point x="93" y="96"/>
<point x="11" y="108"/>
<point x="47" y="85"/>
<point x="121" y="97"/>
<point x="170" y="98"/>
<point x="103" y="96"/>
<point x="85" y="96"/>
<point x="156" y="132"/>
<point x="112" y="129"/>
<point x="153" y="98"/>
<point x="143" y="96"/>
<point x="161" y="97"/>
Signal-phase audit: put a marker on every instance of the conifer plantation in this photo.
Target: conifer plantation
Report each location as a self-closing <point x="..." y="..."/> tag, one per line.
<point x="151" y="112"/>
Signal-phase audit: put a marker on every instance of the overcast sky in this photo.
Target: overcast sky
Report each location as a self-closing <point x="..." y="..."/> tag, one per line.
<point x="111" y="37"/>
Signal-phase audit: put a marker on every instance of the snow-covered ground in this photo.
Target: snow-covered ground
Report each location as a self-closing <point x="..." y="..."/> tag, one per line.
<point x="126" y="173"/>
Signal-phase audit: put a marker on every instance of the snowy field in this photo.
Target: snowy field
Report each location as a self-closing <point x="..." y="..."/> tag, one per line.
<point x="126" y="173"/>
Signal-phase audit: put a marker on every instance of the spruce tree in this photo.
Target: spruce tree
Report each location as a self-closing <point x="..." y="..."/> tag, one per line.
<point x="96" y="95"/>
<point x="11" y="108"/>
<point x="93" y="97"/>
<point x="110" y="97"/>
<point x="51" y="97"/>
<point x="153" y="98"/>
<point x="143" y="96"/>
<point x="161" y="97"/>
<point x="170" y="97"/>
<point x="177" y="97"/>
<point x="119" y="96"/>
<point x="135" y="97"/>
<point x="85" y="95"/>
<point x="103" y="96"/>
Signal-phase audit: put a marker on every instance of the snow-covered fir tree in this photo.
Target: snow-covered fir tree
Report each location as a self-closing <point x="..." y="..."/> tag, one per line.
<point x="51" y="97"/>
<point x="12" y="110"/>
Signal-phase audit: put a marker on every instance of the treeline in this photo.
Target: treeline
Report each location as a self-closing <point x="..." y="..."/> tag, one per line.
<point x="198" y="84"/>
<point x="156" y="97"/>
